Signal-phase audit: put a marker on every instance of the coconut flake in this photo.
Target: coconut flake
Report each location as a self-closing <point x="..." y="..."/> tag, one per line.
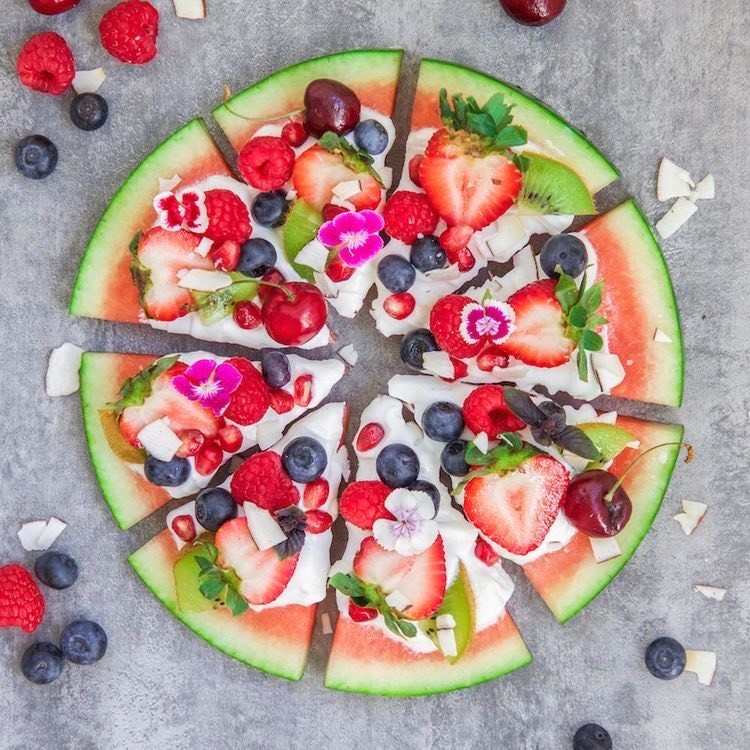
<point x="609" y="370"/>
<point x="193" y="10"/>
<point x="447" y="642"/>
<point x="204" y="247"/>
<point x="691" y="516"/>
<point x="705" y="190"/>
<point x="325" y="623"/>
<point x="397" y="600"/>
<point x="314" y="254"/>
<point x="711" y="592"/>
<point x="346" y="469"/>
<point x="445" y="622"/>
<point x="200" y="280"/>
<point x="701" y="663"/>
<point x="347" y="189"/>
<point x="62" y="377"/>
<point x="678" y="215"/>
<point x="160" y="440"/>
<point x="29" y="534"/>
<point x="661" y="337"/>
<point x="169" y="184"/>
<point x="604" y="548"/>
<point x="672" y="181"/>
<point x="88" y="81"/>
<point x="268" y="433"/>
<point x="52" y="530"/>
<point x="509" y="237"/>
<point x="266" y="533"/>
<point x="438" y="363"/>
<point x="482" y="442"/>
<point x="349" y="354"/>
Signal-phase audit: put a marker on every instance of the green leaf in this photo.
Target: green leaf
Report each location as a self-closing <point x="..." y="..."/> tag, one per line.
<point x="481" y="124"/>
<point x="498" y="110"/>
<point x="446" y="116"/>
<point x="591" y="341"/>
<point x="211" y="587"/>
<point x="204" y="563"/>
<point x="577" y="441"/>
<point x="475" y="457"/>
<point x="391" y="624"/>
<point x="349" y="585"/>
<point x="513" y="135"/>
<point x="511" y="440"/>
<point x="408" y="629"/>
<point x="301" y="226"/>
<point x="577" y="316"/>
<point x="358" y="161"/>
<point x="583" y="364"/>
<point x="591" y="299"/>
<point x="214" y="306"/>
<point x="566" y="290"/>
<point x="235" y="602"/>
<point x="137" y="389"/>
<point x="139" y="273"/>
<point x="594" y="321"/>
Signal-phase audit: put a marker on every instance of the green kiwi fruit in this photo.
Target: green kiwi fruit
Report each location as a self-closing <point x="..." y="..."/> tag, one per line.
<point x="550" y="187"/>
<point x="301" y="226"/>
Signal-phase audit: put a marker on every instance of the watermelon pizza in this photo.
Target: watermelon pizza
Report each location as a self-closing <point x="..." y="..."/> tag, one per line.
<point x="514" y="284"/>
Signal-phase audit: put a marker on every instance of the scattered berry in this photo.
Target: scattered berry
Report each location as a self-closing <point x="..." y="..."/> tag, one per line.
<point x="414" y="164"/>
<point x="56" y="570"/>
<point x="485" y="411"/>
<point x="452" y="458"/>
<point x="429" y="489"/>
<point x="592" y="737"/>
<point x="213" y="507"/>
<point x="455" y="239"/>
<point x="369" y="436"/>
<point x="277" y="371"/>
<point x="363" y="503"/>
<point x="533" y="12"/>
<point x="184" y="527"/>
<point x="247" y="315"/>
<point x="36" y="156"/>
<point x="426" y="254"/>
<point x="665" y="658"/>
<point x="407" y="215"/>
<point x="303" y="390"/>
<point x="225" y="255"/>
<point x="251" y="400"/>
<point x="89" y="111"/>
<point x="52" y="7"/>
<point x="270" y="209"/>
<point x="281" y="401"/>
<point x="397" y="465"/>
<point x="338" y="271"/>
<point x="257" y="257"/>
<point x="230" y="438"/>
<point x="208" y="458"/>
<point x="443" y="421"/>
<point x="566" y="251"/>
<point x="318" y="521"/>
<point x="166" y="473"/>
<point x="304" y="459"/>
<point x="228" y="218"/>
<point x="266" y="162"/>
<point x="294" y="133"/>
<point x="396" y="274"/>
<point x="361" y="614"/>
<point x="315" y="494"/>
<point x="460" y="370"/>
<point x="414" y="345"/>
<point x="42" y="663"/>
<point x="330" y="105"/>
<point x="21" y="602"/>
<point x="485" y="553"/>
<point x="399" y="306"/>
<point x="83" y="642"/>
<point x="45" y="64"/>
<point x="129" y="30"/>
<point x="261" y="479"/>
<point x="371" y="136"/>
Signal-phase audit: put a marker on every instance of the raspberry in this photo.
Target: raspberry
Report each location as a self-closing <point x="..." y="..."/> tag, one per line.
<point x="315" y="494"/>
<point x="303" y="390"/>
<point x="445" y="324"/>
<point x="361" y="614"/>
<point x="281" y="401"/>
<point x="45" y="64"/>
<point x="262" y="480"/>
<point x="399" y="306"/>
<point x="485" y="553"/>
<point x="251" y="400"/>
<point x="294" y="133"/>
<point x="338" y="270"/>
<point x="407" y="215"/>
<point x="21" y="602"/>
<point x="129" y="30"/>
<point x="364" y="502"/>
<point x="485" y="411"/>
<point x="247" y="315"/>
<point x="369" y="436"/>
<point x="318" y="521"/>
<point x="266" y="162"/>
<point x="228" y="217"/>
<point x="414" y="164"/>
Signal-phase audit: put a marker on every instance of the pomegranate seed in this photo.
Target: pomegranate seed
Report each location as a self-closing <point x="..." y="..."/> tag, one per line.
<point x="230" y="438"/>
<point x="414" y="163"/>
<point x="208" y="458"/>
<point x="247" y="315"/>
<point x="331" y="209"/>
<point x="338" y="270"/>
<point x="317" y="521"/>
<point x="274" y="276"/>
<point x="460" y="370"/>
<point x="281" y="401"/>
<point x="485" y="553"/>
<point x="369" y="436"/>
<point x="466" y="260"/>
<point x="316" y="493"/>
<point x="399" y="306"/>
<point x="294" y="133"/>
<point x="192" y="440"/>
<point x="492" y="357"/>
<point x="184" y="527"/>
<point x="361" y="614"/>
<point x="303" y="390"/>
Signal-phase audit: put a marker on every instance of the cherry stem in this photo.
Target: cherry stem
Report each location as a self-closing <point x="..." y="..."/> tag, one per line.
<point x="688" y="458"/>
<point x="290" y="295"/>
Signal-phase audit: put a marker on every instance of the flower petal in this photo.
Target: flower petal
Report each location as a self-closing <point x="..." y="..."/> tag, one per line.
<point x="373" y="221"/>
<point x="349" y="222"/>
<point x="329" y="235"/>
<point x="423" y="537"/>
<point x="503" y="317"/>
<point x="471" y="316"/>
<point x="423" y="504"/>
<point x="229" y="377"/>
<point x="200" y="371"/>
<point x="183" y="386"/>
<point x="382" y="531"/>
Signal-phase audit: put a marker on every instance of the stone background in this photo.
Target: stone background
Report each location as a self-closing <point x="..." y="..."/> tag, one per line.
<point x="643" y="79"/>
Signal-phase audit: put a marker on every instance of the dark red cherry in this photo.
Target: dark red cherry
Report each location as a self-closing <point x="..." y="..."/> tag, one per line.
<point x="329" y="105"/>
<point x="592" y="506"/>
<point x="533" y="12"/>
<point x="294" y="312"/>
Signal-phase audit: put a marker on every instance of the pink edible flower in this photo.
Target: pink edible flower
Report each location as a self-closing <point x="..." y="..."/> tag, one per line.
<point x="186" y="211"/>
<point x="355" y="235"/>
<point x="493" y="320"/>
<point x="209" y="384"/>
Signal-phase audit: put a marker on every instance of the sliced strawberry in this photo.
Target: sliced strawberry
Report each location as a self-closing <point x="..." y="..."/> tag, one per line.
<point x="445" y="324"/>
<point x="484" y="552"/>
<point x="192" y="440"/>
<point x="491" y="357"/>
<point x="361" y="614"/>
<point x="516" y="510"/>
<point x="364" y="502"/>
<point x="163" y="255"/>
<point x="420" y="578"/>
<point x="315" y="494"/>
<point x="263" y="575"/>
<point x="318" y="171"/>
<point x="225" y="255"/>
<point x="539" y="336"/>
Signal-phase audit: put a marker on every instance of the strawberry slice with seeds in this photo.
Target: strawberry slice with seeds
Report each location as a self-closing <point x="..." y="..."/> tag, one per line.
<point x="420" y="578"/>
<point x="517" y="508"/>
<point x="263" y="574"/>
<point x="539" y="336"/>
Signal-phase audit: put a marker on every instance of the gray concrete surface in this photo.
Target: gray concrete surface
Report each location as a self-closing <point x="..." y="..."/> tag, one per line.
<point x="642" y="78"/>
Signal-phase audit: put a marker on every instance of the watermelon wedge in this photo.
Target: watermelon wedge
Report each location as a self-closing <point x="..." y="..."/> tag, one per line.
<point x="570" y="578"/>
<point x="119" y="467"/>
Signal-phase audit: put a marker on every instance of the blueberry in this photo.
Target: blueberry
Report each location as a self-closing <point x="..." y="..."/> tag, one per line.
<point x="275" y="368"/>
<point x="167" y="473"/>
<point x="665" y="658"/>
<point x="452" y="458"/>
<point x="270" y="209"/>
<point x="414" y="345"/>
<point x="592" y="737"/>
<point x="426" y="254"/>
<point x="397" y="465"/>
<point x="89" y="111"/>
<point x="304" y="459"/>
<point x="566" y="251"/>
<point x="428" y="488"/>
<point x="257" y="257"/>
<point x="396" y="274"/>
<point x="443" y="421"/>
<point x="83" y="642"/>
<point x="56" y="570"/>
<point x="36" y="156"/>
<point x="42" y="663"/>
<point x="371" y="136"/>
<point x="213" y="507"/>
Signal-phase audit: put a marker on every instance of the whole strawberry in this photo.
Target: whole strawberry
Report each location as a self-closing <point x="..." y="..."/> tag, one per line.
<point x="129" y="30"/>
<point x="21" y="602"/>
<point x="45" y="64"/>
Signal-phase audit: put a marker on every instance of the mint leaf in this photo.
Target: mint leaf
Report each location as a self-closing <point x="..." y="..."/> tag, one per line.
<point x="577" y="316"/>
<point x="591" y="340"/>
<point x="235" y="602"/>
<point x="591" y="299"/>
<point x="566" y="290"/>
<point x="583" y="364"/>
<point x="408" y="629"/>
<point x="137" y="389"/>
<point x="204" y="563"/>
<point x="358" y="161"/>
<point x="349" y="585"/>
<point x="391" y="624"/>
<point x="594" y="321"/>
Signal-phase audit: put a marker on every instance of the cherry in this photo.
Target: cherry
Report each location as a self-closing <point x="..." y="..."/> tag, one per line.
<point x="329" y="105"/>
<point x="294" y="312"/>
<point x="533" y="12"/>
<point x="596" y="504"/>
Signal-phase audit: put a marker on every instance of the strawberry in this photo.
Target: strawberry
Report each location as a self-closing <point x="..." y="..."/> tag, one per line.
<point x="407" y="215"/>
<point x="128" y="31"/>
<point x="362" y="503"/>
<point x="420" y="578"/>
<point x="338" y="271"/>
<point x="484" y="552"/>
<point x="262" y="480"/>
<point x="225" y="255"/>
<point x="361" y="614"/>
<point x="485" y="411"/>
<point x="184" y="527"/>
<point x="230" y="438"/>
<point x="317" y="521"/>
<point x="266" y="162"/>
<point x="160" y="256"/>
<point x="370" y="436"/>
<point x="45" y="64"/>
<point x="228" y="217"/>
<point x="315" y="494"/>
<point x="303" y="390"/>
<point x="21" y="602"/>
<point x="445" y="324"/>
<point x="517" y="508"/>
<point x="318" y="171"/>
<point x="263" y="574"/>
<point x="539" y="336"/>
<point x="251" y="400"/>
<point x="400" y="305"/>
<point x="281" y="401"/>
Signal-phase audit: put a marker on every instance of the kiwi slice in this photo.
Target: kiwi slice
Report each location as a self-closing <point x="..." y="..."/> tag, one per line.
<point x="301" y="226"/>
<point x="550" y="187"/>
<point x="120" y="447"/>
